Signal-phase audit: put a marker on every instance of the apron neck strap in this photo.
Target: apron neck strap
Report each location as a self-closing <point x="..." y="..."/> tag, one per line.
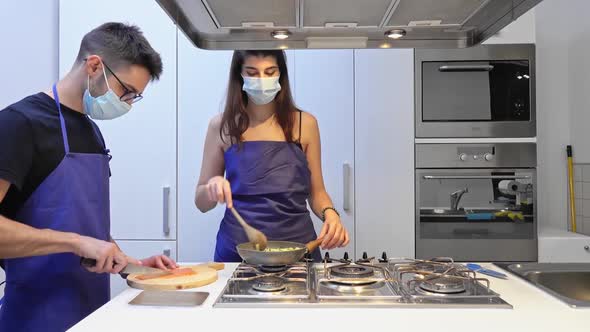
<point x="64" y="132"/>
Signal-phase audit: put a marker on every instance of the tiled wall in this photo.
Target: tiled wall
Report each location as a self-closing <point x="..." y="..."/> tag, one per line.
<point x="582" y="193"/>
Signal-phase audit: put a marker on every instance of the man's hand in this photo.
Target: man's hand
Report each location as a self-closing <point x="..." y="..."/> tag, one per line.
<point x="109" y="259"/>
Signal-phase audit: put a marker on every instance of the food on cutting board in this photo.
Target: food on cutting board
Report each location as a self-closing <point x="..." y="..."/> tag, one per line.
<point x="170" y="274"/>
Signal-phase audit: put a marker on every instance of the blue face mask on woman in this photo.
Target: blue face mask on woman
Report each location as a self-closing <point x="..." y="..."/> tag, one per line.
<point x="261" y="90"/>
<point x="105" y="107"/>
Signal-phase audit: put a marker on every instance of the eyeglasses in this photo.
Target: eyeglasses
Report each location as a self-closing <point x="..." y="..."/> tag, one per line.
<point x="128" y="94"/>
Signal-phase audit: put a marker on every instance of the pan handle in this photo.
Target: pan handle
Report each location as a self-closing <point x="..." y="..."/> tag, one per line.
<point x="312" y="245"/>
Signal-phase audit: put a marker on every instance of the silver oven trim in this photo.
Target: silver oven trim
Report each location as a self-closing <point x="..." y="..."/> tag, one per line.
<point x="475" y="129"/>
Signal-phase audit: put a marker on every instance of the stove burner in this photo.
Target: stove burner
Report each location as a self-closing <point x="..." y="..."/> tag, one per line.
<point x="352" y="271"/>
<point x="353" y="283"/>
<point x="269" y="284"/>
<point x="445" y="284"/>
<point x="346" y="287"/>
<point x="425" y="267"/>
<point x="273" y="268"/>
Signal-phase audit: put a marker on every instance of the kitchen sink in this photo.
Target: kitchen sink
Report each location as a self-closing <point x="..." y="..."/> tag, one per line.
<point x="568" y="282"/>
<point x="442" y="212"/>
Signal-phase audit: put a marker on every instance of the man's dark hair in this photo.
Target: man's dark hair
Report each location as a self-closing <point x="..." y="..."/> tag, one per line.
<point x="121" y="45"/>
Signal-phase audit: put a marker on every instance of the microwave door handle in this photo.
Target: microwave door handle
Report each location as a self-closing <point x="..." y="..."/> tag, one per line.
<point x="474" y="177"/>
<point x="465" y="68"/>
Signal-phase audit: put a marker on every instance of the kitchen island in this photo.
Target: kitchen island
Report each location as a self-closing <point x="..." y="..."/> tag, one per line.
<point x="533" y="310"/>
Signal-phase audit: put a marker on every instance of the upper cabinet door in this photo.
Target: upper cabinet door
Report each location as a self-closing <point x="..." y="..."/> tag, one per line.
<point x="324" y="88"/>
<point x="143" y="142"/>
<point x="384" y="148"/>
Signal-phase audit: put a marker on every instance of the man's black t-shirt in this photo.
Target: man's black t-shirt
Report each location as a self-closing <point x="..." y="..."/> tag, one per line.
<point x="31" y="145"/>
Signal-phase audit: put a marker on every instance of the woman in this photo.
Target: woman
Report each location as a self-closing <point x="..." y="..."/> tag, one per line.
<point x="270" y="153"/>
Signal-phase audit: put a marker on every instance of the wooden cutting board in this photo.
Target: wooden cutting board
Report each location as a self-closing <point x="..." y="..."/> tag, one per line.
<point x="205" y="274"/>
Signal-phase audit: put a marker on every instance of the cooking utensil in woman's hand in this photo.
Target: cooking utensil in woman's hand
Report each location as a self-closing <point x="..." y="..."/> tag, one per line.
<point x="479" y="269"/>
<point x="255" y="236"/>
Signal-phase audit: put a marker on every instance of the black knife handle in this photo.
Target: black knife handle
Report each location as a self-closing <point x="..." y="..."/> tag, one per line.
<point x="88" y="262"/>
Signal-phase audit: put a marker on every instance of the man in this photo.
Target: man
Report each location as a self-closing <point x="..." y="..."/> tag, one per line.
<point x="54" y="184"/>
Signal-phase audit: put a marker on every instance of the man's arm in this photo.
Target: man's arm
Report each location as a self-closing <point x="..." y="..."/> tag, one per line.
<point x="20" y="240"/>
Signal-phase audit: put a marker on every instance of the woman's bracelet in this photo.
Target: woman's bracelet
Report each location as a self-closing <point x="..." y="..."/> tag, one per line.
<point x="326" y="209"/>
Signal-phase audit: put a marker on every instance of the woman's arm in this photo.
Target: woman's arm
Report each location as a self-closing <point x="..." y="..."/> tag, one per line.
<point x="212" y="186"/>
<point x="333" y="232"/>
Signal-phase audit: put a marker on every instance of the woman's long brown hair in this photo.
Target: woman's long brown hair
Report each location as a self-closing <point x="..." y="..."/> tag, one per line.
<point x="235" y="121"/>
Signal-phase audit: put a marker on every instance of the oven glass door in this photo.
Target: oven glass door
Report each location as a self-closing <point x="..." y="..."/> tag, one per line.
<point x="475" y="91"/>
<point x="475" y="204"/>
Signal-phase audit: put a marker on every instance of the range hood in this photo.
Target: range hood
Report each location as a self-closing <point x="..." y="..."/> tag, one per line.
<point x="300" y="24"/>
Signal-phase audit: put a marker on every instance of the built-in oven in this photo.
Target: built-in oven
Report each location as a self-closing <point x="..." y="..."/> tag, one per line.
<point x="484" y="91"/>
<point x="476" y="202"/>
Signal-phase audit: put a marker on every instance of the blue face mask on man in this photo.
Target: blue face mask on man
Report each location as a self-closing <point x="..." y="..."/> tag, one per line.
<point x="261" y="90"/>
<point x="106" y="107"/>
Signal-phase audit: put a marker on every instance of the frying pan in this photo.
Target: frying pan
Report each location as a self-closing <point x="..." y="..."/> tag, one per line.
<point x="250" y="255"/>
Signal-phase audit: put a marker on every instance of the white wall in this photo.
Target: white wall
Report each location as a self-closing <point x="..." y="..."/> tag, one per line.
<point x="562" y="92"/>
<point x="518" y="32"/>
<point x="578" y="52"/>
<point x="29" y="37"/>
<point x="28" y="61"/>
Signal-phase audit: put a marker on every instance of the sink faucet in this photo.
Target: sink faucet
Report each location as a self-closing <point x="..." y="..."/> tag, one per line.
<point x="456" y="197"/>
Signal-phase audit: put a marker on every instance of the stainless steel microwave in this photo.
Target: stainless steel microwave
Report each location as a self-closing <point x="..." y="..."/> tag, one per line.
<point x="484" y="91"/>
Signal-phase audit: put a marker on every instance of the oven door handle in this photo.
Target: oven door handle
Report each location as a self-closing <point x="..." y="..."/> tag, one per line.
<point x="475" y="177"/>
<point x="465" y="68"/>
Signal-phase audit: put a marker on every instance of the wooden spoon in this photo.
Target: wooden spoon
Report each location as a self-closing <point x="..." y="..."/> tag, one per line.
<point x="255" y="236"/>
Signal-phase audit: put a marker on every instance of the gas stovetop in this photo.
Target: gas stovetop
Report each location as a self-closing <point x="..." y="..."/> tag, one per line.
<point x="369" y="282"/>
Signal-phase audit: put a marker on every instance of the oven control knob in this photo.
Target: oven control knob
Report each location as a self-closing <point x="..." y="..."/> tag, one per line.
<point x="346" y="256"/>
<point x="489" y="157"/>
<point x="463" y="157"/>
<point x="365" y="256"/>
<point x="383" y="258"/>
<point x="475" y="157"/>
<point x="327" y="258"/>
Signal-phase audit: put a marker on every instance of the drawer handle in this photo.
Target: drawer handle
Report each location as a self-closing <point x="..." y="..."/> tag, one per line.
<point x="166" y="210"/>
<point x="587" y="248"/>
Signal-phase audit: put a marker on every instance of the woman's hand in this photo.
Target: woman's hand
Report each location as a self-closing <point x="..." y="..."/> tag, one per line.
<point x="333" y="232"/>
<point x="219" y="190"/>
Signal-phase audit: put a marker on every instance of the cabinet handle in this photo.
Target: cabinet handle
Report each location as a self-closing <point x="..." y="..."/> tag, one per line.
<point x="587" y="248"/>
<point x="166" y="252"/>
<point x="346" y="187"/>
<point x="166" y="209"/>
<point x="473" y="177"/>
<point x="465" y="68"/>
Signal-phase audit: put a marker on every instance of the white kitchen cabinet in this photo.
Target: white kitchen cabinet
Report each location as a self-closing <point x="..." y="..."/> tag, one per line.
<point x="202" y="86"/>
<point x="140" y="250"/>
<point x="560" y="246"/>
<point x="324" y="88"/>
<point x="143" y="142"/>
<point x="384" y="152"/>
